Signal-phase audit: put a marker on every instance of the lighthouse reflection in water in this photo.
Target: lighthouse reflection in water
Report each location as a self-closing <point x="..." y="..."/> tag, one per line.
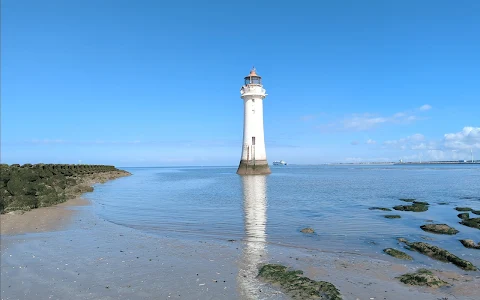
<point x="254" y="247"/>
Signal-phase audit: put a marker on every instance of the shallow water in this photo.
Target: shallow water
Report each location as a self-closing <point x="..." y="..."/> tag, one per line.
<point x="215" y="203"/>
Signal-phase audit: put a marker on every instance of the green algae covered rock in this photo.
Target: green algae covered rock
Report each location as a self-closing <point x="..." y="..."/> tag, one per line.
<point x="407" y="199"/>
<point x="415" y="207"/>
<point x="439" y="228"/>
<point x="21" y="202"/>
<point x="470" y="244"/>
<point x="31" y="186"/>
<point x="464" y="216"/>
<point x="380" y="208"/>
<point x="307" y="230"/>
<point x="397" y="254"/>
<point x="463" y="208"/>
<point x="297" y="286"/>
<point x="392" y="216"/>
<point x="422" y="277"/>
<point x="439" y="254"/>
<point x="471" y="222"/>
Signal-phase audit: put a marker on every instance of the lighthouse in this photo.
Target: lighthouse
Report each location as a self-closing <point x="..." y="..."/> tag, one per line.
<point x="254" y="156"/>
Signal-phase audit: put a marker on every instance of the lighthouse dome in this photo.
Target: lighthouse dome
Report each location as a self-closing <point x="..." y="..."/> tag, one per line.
<point x="253" y="77"/>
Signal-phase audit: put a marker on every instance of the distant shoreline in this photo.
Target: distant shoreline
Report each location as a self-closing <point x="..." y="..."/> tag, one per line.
<point x="410" y="163"/>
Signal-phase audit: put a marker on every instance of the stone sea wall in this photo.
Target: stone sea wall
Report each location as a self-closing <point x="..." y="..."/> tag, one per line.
<point x="31" y="186"/>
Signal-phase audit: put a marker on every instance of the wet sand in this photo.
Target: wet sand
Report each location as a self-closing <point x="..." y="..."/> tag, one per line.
<point x="95" y="259"/>
<point x="68" y="252"/>
<point x="40" y="219"/>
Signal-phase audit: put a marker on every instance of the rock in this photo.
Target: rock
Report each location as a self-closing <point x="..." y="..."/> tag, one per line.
<point x="464" y="216"/>
<point x="420" y="203"/>
<point x="439" y="228"/>
<point x="442" y="203"/>
<point x="463" y="208"/>
<point x="392" y="216"/>
<point x="471" y="222"/>
<point x="397" y="253"/>
<point x="31" y="186"/>
<point x="17" y="212"/>
<point x="407" y="199"/>
<point x="470" y="244"/>
<point x="297" y="286"/>
<point x="476" y="212"/>
<point x="422" y="277"/>
<point x="21" y="202"/>
<point x="415" y="207"/>
<point x="380" y="208"/>
<point x="439" y="254"/>
<point x="307" y="230"/>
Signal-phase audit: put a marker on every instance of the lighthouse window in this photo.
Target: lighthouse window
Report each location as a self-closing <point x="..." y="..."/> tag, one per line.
<point x="253" y="140"/>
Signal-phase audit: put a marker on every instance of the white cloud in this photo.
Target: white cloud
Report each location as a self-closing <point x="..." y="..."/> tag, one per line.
<point x="425" y="107"/>
<point x="371" y="142"/>
<point x="405" y="143"/>
<point x="468" y="138"/>
<point x="367" y="121"/>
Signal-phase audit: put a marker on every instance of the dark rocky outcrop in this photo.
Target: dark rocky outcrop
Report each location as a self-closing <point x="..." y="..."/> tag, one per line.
<point x="463" y="208"/>
<point x="439" y="254"/>
<point x="439" y="228"/>
<point x="380" y="208"/>
<point x="307" y="230"/>
<point x="407" y="199"/>
<point x="464" y="216"/>
<point x="397" y="254"/>
<point x="422" y="277"/>
<point x="30" y="186"/>
<point x="470" y="244"/>
<point x="392" y="216"/>
<point x="415" y="207"/>
<point x="471" y="222"/>
<point x="297" y="286"/>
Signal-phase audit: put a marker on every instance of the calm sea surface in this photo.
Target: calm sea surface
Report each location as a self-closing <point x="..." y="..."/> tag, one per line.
<point x="215" y="203"/>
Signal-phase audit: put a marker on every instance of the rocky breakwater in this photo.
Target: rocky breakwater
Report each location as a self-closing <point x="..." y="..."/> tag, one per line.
<point x="31" y="186"/>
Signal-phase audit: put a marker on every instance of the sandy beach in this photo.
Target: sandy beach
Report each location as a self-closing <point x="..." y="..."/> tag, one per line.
<point x="76" y="255"/>
<point x="41" y="219"/>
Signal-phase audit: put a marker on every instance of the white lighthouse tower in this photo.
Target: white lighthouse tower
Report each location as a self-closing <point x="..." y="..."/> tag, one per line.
<point x="254" y="156"/>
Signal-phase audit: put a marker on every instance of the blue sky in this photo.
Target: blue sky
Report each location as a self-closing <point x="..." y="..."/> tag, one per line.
<point x="156" y="83"/>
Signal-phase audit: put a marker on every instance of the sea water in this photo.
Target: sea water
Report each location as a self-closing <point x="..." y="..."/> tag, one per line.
<point x="215" y="203"/>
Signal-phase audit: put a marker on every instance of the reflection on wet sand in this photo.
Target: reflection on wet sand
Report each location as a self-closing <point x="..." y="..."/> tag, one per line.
<point x="254" y="246"/>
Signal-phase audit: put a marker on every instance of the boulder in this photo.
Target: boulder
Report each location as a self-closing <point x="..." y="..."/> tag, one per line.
<point x="439" y="228"/>
<point x="422" y="277"/>
<point x="415" y="207"/>
<point x="392" y="216"/>
<point x="439" y="254"/>
<point x="380" y="208"/>
<point x="471" y="222"/>
<point x="470" y="244"/>
<point x="407" y="199"/>
<point x="297" y="286"/>
<point x="397" y="254"/>
<point x="307" y="230"/>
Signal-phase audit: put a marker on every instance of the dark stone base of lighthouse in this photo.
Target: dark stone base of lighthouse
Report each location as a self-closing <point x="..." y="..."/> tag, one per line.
<point x="249" y="167"/>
